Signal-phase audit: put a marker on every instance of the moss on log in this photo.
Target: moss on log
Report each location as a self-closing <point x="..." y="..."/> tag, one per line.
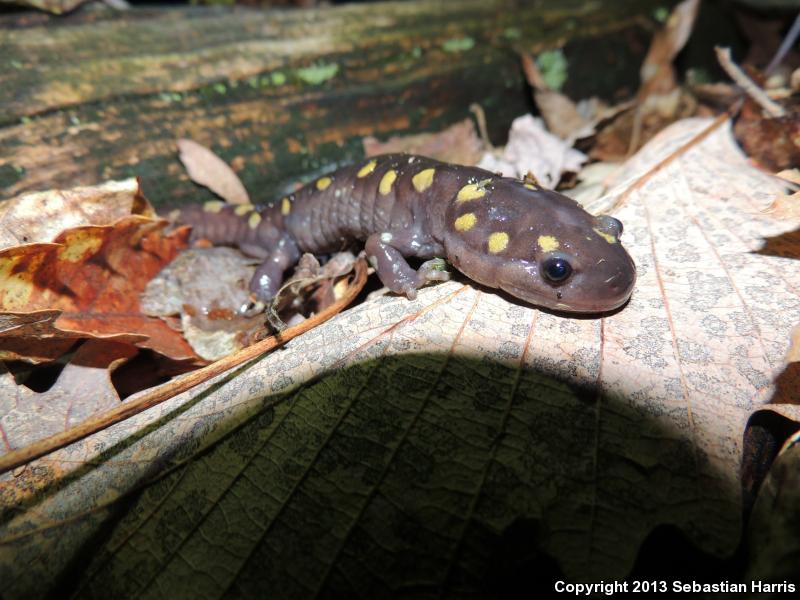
<point x="280" y="95"/>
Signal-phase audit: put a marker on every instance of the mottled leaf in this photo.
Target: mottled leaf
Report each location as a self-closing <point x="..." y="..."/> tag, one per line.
<point x="86" y="283"/>
<point x="434" y="443"/>
<point x="27" y="416"/>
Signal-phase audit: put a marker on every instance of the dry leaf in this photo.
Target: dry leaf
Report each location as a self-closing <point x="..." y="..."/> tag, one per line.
<point x="205" y="279"/>
<point x="657" y="72"/>
<point x="785" y="206"/>
<point x="565" y="118"/>
<point x="659" y="100"/>
<point x="531" y="148"/>
<point x="30" y="349"/>
<point x="793" y="355"/>
<point x="209" y="170"/>
<point x="399" y="441"/>
<point x="772" y="539"/>
<point x="41" y="216"/>
<point x="457" y="144"/>
<point x="206" y="288"/>
<point x="594" y="181"/>
<point x="86" y="284"/>
<point x="773" y="142"/>
<point x="82" y="389"/>
<point x="790" y="175"/>
<point x="57" y="7"/>
<point x="558" y="111"/>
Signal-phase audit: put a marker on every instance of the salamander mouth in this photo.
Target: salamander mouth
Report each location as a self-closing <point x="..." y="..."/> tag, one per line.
<point x="566" y="305"/>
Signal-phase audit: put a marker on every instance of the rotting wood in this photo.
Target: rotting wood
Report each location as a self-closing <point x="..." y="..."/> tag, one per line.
<point x="279" y="94"/>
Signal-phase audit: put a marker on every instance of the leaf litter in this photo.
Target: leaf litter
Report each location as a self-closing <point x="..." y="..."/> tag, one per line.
<point x="660" y="100"/>
<point x="27" y="416"/>
<point x="533" y="149"/>
<point x="458" y="144"/>
<point x="453" y="416"/>
<point x="693" y="390"/>
<point x="72" y="264"/>
<point x="85" y="284"/>
<point x="206" y="288"/>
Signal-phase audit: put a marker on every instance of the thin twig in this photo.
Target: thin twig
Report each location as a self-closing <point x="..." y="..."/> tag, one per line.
<point x="125" y="410"/>
<point x="749" y="86"/>
<point x="786" y="45"/>
<point x="480" y="116"/>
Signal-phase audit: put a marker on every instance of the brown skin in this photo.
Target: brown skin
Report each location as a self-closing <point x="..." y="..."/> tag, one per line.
<point x="535" y="244"/>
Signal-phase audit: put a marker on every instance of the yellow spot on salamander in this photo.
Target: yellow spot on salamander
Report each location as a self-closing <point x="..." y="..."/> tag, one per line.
<point x="530" y="186"/>
<point x="465" y="222"/>
<point x="387" y="182"/>
<point x="606" y="236"/>
<point x="423" y="180"/>
<point x="243" y="209"/>
<point x="323" y="183"/>
<point x="367" y="169"/>
<point x="498" y="242"/>
<point x="286" y="206"/>
<point x="472" y="191"/>
<point x="213" y="206"/>
<point x="254" y="220"/>
<point x="548" y="243"/>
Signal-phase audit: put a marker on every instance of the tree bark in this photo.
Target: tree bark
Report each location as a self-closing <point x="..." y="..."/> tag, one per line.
<point x="280" y="94"/>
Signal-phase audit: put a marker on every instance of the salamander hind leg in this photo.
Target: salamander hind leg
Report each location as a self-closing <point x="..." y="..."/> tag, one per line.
<point x="387" y="253"/>
<point x="268" y="277"/>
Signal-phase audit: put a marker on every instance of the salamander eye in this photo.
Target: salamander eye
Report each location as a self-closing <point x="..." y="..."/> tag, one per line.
<point x="556" y="269"/>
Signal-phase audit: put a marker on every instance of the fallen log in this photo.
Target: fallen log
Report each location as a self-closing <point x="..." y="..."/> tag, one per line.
<point x="279" y="94"/>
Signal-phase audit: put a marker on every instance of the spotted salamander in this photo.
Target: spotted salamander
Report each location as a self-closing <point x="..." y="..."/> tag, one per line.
<point x="535" y="244"/>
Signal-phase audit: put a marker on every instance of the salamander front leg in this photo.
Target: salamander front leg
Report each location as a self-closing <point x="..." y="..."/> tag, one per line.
<point x="387" y="252"/>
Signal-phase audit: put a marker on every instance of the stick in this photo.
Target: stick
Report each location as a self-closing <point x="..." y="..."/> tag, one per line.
<point x="125" y="410"/>
<point x="786" y="45"/>
<point x="749" y="86"/>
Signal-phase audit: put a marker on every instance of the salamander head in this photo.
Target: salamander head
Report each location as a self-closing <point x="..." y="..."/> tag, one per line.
<point x="539" y="246"/>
